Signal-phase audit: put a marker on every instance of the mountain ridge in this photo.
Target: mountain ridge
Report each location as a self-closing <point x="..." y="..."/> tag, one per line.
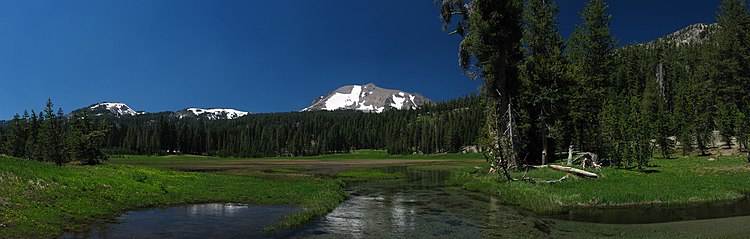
<point x="367" y="98"/>
<point x="120" y="109"/>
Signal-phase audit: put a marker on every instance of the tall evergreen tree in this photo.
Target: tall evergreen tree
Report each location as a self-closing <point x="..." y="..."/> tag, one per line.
<point x="52" y="145"/>
<point x="590" y="53"/>
<point x="32" y="142"/>
<point x="16" y="138"/>
<point x="86" y="140"/>
<point x="490" y="51"/>
<point x="542" y="73"/>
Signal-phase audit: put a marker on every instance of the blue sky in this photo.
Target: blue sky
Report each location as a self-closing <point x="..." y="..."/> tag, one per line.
<point x="258" y="56"/>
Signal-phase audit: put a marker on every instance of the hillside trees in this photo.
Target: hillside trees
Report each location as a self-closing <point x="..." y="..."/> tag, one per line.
<point x="490" y="51"/>
<point x="733" y="80"/>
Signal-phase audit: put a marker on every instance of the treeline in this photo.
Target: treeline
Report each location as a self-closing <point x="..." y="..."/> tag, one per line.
<point x="543" y="94"/>
<point x="52" y="137"/>
<point x="439" y="128"/>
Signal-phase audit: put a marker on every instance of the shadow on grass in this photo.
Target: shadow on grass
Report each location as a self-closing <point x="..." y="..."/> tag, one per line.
<point x="649" y="169"/>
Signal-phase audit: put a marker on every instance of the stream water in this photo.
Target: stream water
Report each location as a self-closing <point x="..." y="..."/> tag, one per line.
<point x="421" y="206"/>
<point x="214" y="220"/>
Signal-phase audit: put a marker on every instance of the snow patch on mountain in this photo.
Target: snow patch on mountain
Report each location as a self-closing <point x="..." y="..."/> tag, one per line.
<point x="343" y="100"/>
<point x="116" y="108"/>
<point x="368" y="98"/>
<point x="215" y="113"/>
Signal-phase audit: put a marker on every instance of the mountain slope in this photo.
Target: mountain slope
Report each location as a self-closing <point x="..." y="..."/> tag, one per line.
<point x="211" y="114"/>
<point x="696" y="33"/>
<point x="111" y="109"/>
<point x="368" y="98"/>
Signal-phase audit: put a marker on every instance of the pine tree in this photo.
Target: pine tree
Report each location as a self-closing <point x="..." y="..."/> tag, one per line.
<point x="85" y="140"/>
<point x="490" y="51"/>
<point x="590" y="53"/>
<point x="16" y="138"/>
<point x="32" y="142"/>
<point x="52" y="146"/>
<point x="542" y="74"/>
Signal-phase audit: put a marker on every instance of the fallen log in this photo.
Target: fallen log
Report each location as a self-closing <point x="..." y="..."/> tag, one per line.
<point x="534" y="180"/>
<point x="570" y="170"/>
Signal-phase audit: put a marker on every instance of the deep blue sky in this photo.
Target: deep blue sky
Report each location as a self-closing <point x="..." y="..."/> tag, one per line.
<point x="258" y="56"/>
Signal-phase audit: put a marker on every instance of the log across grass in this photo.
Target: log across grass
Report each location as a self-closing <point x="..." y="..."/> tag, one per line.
<point x="43" y="200"/>
<point x="680" y="182"/>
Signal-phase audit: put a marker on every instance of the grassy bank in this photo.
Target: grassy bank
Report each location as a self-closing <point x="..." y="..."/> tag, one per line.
<point x="42" y="200"/>
<point x="668" y="183"/>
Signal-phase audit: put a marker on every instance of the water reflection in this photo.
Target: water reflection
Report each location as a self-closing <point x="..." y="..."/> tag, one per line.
<point x="216" y="220"/>
<point x="216" y="209"/>
<point x="417" y="207"/>
<point x="422" y="207"/>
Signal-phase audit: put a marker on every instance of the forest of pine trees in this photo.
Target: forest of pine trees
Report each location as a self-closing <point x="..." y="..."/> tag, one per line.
<point x="440" y="128"/>
<point x="50" y="136"/>
<point x="624" y="104"/>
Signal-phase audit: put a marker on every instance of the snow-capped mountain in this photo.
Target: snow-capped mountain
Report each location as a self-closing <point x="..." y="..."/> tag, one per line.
<point x="212" y="114"/>
<point x="112" y="108"/>
<point x="368" y="98"/>
<point x="118" y="109"/>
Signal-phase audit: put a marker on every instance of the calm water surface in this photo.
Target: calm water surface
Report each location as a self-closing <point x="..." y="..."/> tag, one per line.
<point x="421" y="206"/>
<point x="215" y="220"/>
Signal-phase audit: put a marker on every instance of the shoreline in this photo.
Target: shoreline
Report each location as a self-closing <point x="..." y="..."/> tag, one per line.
<point x="694" y="183"/>
<point x="40" y="200"/>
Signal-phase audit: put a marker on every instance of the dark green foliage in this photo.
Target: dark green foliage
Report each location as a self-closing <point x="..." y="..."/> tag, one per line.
<point x="51" y="137"/>
<point x="491" y="51"/>
<point x="733" y="73"/>
<point x="543" y="99"/>
<point x="15" y="140"/>
<point x="86" y="140"/>
<point x="590" y="51"/>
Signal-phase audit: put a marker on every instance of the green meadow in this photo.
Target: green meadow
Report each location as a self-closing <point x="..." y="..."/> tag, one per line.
<point x="682" y="182"/>
<point x="43" y="200"/>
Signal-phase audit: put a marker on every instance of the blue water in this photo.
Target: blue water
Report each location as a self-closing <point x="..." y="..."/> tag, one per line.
<point x="215" y="220"/>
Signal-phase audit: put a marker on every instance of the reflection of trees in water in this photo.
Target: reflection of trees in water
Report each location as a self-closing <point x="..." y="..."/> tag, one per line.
<point x="402" y="216"/>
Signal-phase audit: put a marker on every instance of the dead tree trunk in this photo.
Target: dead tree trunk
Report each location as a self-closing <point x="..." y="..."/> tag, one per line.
<point x="544" y="137"/>
<point x="570" y="155"/>
<point x="570" y="170"/>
